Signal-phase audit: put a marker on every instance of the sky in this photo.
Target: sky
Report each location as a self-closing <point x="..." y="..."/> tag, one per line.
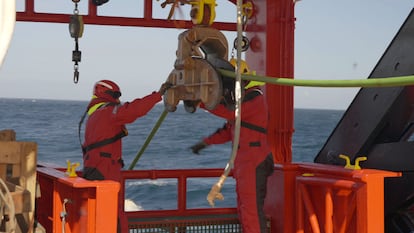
<point x="333" y="40"/>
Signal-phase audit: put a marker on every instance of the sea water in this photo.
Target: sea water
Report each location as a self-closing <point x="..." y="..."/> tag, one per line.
<point x="53" y="125"/>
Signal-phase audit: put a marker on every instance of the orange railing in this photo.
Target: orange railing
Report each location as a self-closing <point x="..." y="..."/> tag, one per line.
<point x="181" y="218"/>
<point x="182" y="176"/>
<point x="301" y="198"/>
<point x="89" y="204"/>
<point x="314" y="198"/>
<point x="328" y="190"/>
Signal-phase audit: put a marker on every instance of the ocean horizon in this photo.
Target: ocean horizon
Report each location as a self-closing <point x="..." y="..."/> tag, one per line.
<point x="53" y="125"/>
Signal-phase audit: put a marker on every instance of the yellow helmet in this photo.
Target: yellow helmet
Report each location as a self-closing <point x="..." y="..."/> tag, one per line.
<point x="254" y="84"/>
<point x="243" y="66"/>
<point x="246" y="70"/>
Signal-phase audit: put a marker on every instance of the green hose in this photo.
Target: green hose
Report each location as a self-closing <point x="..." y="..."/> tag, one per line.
<point x="149" y="138"/>
<point x="371" y="82"/>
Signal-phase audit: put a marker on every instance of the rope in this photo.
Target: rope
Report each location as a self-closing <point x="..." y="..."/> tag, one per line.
<point x="7" y="201"/>
<point x="149" y="138"/>
<point x="371" y="82"/>
<point x="216" y="188"/>
<point x="64" y="213"/>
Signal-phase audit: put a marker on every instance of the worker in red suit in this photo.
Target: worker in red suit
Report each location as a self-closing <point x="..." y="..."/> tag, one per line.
<point x="102" y="148"/>
<point x="254" y="160"/>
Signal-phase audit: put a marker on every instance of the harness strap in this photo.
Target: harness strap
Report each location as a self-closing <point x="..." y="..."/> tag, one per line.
<point x="104" y="142"/>
<point x="250" y="96"/>
<point x="253" y="127"/>
<point x="80" y="126"/>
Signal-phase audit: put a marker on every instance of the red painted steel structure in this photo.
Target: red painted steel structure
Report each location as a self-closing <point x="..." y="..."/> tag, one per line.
<point x="310" y="198"/>
<point x="271" y="54"/>
<point x="301" y="198"/>
<point x="91" y="204"/>
<point x="75" y="204"/>
<point x="181" y="175"/>
<point x="92" y="17"/>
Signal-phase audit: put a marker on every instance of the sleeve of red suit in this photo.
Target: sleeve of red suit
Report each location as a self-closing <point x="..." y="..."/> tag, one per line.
<point x="130" y="111"/>
<point x="222" y="135"/>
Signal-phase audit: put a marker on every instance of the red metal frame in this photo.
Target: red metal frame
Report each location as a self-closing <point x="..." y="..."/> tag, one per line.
<point x="30" y="15"/>
<point x="181" y="175"/>
<point x="271" y="31"/>
<point x="92" y="197"/>
<point x="96" y="199"/>
<point x="307" y="197"/>
<point x="272" y="54"/>
<point x="301" y="198"/>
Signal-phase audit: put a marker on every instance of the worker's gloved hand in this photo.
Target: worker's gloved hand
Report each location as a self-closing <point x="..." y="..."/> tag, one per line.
<point x="164" y="87"/>
<point x="121" y="161"/>
<point x="199" y="146"/>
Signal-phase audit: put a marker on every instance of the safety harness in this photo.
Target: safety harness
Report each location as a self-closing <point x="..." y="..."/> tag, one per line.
<point x="85" y="149"/>
<point x="250" y="96"/>
<point x="253" y="127"/>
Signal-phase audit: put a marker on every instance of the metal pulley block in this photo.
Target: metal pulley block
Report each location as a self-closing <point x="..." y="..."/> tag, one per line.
<point x="202" y="42"/>
<point x="200" y="84"/>
<point x="245" y="43"/>
<point x="194" y="77"/>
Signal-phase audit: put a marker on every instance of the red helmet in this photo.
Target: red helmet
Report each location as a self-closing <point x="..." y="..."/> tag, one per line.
<point x="108" y="90"/>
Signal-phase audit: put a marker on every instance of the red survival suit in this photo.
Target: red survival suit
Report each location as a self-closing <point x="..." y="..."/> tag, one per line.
<point x="102" y="158"/>
<point x="254" y="161"/>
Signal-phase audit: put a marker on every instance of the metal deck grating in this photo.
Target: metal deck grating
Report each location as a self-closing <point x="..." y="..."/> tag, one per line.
<point x="189" y="224"/>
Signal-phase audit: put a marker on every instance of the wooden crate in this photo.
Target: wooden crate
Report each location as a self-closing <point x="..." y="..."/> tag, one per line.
<point x="18" y="162"/>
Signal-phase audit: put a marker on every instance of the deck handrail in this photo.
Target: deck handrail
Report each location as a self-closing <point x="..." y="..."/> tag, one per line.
<point x="182" y="175"/>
